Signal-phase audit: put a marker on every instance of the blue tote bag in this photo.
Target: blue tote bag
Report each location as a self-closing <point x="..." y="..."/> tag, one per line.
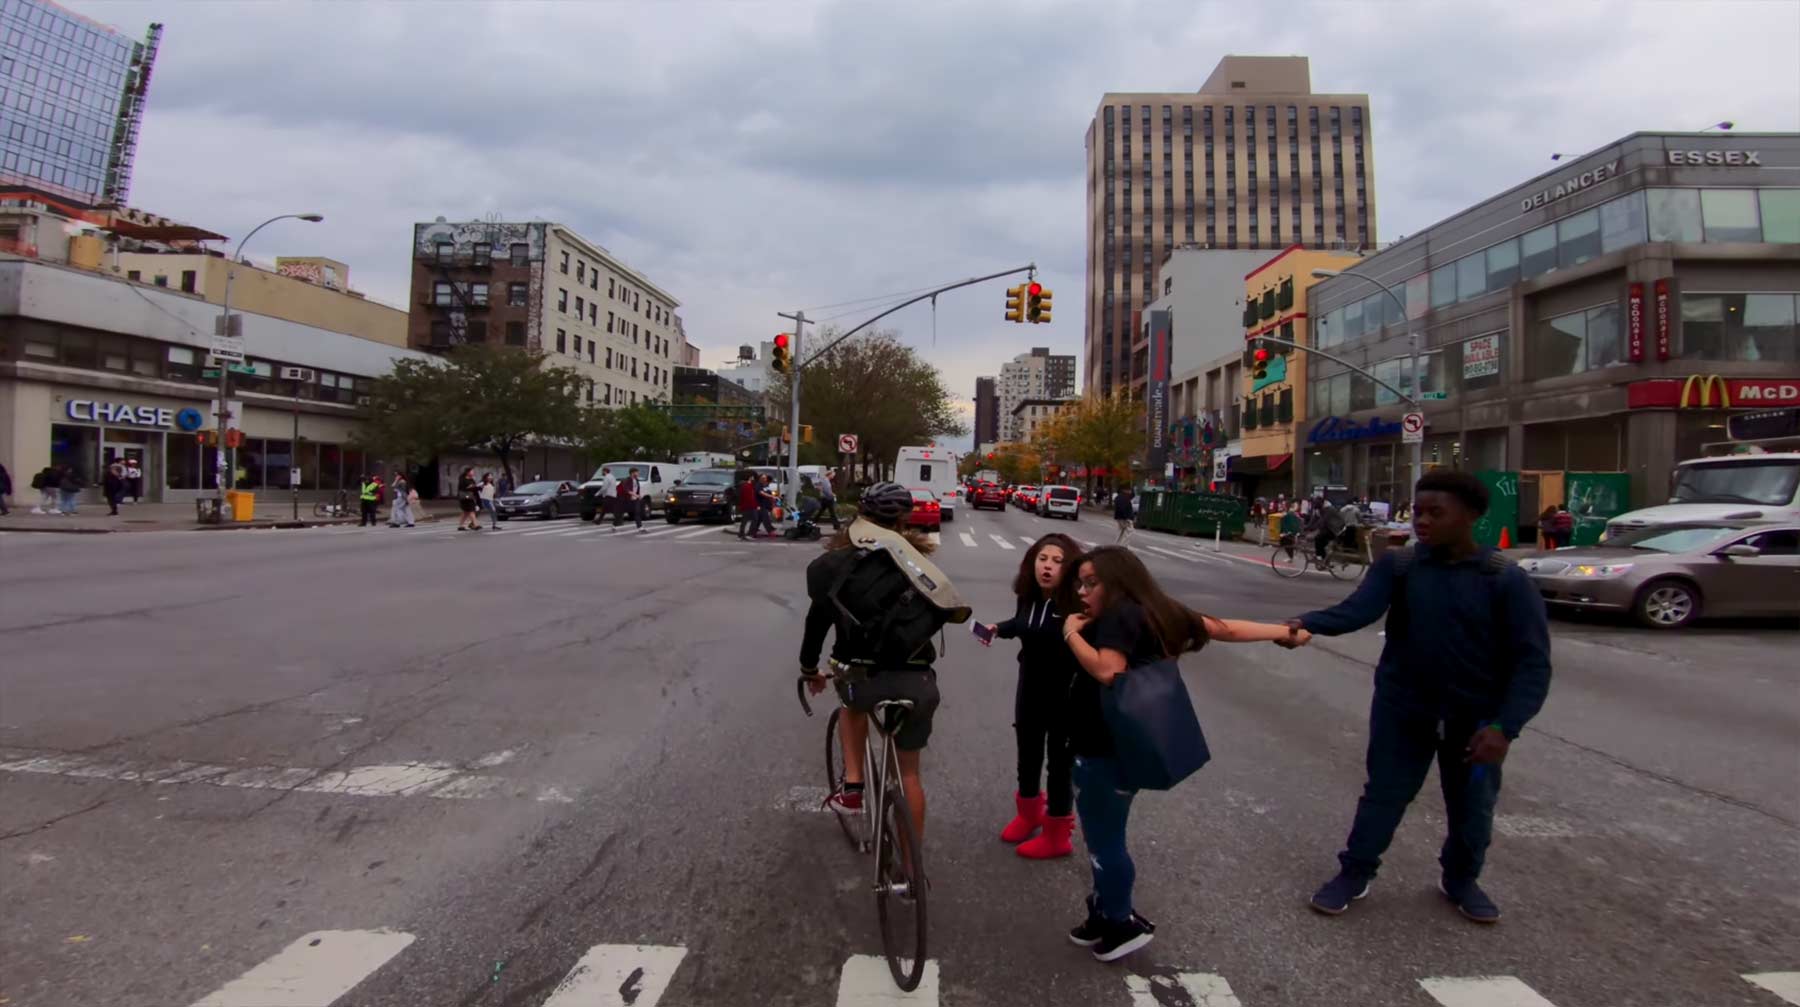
<point x="1155" y="731"/>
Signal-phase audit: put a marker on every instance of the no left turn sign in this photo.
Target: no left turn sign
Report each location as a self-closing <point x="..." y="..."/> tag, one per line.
<point x="1412" y="428"/>
<point x="847" y="444"/>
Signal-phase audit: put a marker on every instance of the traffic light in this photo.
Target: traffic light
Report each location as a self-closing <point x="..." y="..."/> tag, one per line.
<point x="1015" y="304"/>
<point x="1037" y="304"/>
<point x="806" y="433"/>
<point x="1261" y="356"/>
<point x="780" y="361"/>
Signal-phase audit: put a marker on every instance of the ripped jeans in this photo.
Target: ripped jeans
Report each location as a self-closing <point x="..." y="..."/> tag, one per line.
<point x="1104" y="810"/>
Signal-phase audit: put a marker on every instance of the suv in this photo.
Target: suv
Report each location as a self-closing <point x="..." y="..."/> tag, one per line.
<point x="1060" y="501"/>
<point x="987" y="495"/>
<point x="707" y="494"/>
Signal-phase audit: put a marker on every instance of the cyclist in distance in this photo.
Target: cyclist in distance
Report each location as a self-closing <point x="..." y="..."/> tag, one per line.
<point x="886" y="601"/>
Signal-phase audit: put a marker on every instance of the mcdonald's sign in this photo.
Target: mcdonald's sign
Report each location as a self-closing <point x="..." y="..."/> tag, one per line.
<point x="1706" y="384"/>
<point x="1713" y="391"/>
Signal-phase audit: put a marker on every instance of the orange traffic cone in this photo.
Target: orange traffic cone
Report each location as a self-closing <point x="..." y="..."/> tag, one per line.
<point x="1505" y="539"/>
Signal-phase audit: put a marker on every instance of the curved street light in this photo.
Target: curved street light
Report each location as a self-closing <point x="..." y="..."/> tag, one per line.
<point x="1418" y="388"/>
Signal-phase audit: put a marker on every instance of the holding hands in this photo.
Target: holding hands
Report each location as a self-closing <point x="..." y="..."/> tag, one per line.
<point x="1297" y="637"/>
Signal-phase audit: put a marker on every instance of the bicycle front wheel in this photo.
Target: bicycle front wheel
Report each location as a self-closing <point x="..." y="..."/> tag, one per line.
<point x="900" y="890"/>
<point x="320" y="509"/>
<point x="1348" y="566"/>
<point x="1288" y="561"/>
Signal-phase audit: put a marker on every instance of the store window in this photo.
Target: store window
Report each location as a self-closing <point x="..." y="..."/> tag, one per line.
<point x="277" y="460"/>
<point x="1578" y="238"/>
<point x="1575" y="342"/>
<point x="1730" y="215"/>
<point x="181" y="461"/>
<point x="181" y="365"/>
<point x="1388" y="373"/>
<point x="1537" y="252"/>
<point x="1739" y="326"/>
<point x="331" y="461"/>
<point x="77" y="447"/>
<point x="250" y="464"/>
<point x="1780" y="215"/>
<point x="1622" y="222"/>
<point x="1674" y="214"/>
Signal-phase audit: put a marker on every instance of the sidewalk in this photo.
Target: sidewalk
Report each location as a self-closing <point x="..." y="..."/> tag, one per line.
<point x="92" y="519"/>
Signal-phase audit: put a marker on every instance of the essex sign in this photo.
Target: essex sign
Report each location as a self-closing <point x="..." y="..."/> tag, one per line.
<point x="1742" y="158"/>
<point x="1570" y="186"/>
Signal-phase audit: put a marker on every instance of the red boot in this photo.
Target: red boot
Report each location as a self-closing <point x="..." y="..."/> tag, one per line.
<point x="1027" y="821"/>
<point x="1053" y="842"/>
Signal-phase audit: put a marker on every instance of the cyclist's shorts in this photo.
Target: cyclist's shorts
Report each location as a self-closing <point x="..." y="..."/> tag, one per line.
<point x="861" y="692"/>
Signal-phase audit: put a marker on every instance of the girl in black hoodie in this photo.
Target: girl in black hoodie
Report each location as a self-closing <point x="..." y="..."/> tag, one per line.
<point x="1046" y="589"/>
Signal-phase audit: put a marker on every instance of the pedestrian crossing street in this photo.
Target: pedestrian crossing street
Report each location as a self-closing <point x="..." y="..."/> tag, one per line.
<point x="320" y="969"/>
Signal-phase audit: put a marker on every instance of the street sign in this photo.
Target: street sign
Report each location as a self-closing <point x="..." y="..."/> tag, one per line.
<point x="1433" y="396"/>
<point x="213" y="372"/>
<point x="1412" y="428"/>
<point x="847" y="444"/>
<point x="228" y="348"/>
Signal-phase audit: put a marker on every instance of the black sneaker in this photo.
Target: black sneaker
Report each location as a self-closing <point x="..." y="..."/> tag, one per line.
<point x="1339" y="892"/>
<point x="1091" y="930"/>
<point x="1120" y="939"/>
<point x="1470" y="900"/>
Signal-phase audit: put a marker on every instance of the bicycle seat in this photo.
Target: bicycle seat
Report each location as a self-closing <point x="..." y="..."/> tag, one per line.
<point x="891" y="713"/>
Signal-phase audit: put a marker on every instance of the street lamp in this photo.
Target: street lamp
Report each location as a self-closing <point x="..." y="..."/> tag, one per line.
<point x="226" y="474"/>
<point x="1418" y="403"/>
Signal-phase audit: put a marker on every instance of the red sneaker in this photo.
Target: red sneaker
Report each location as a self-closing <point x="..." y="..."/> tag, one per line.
<point x="846" y="802"/>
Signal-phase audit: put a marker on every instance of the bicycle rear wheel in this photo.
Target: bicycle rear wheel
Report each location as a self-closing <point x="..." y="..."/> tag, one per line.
<point x="900" y="890"/>
<point x="1348" y="566"/>
<point x="834" y="774"/>
<point x="1288" y="561"/>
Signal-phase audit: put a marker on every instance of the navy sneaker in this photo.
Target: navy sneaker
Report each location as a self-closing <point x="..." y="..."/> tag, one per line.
<point x="1339" y="892"/>
<point x="1091" y="930"/>
<point x="1120" y="939"/>
<point x="1470" y="900"/>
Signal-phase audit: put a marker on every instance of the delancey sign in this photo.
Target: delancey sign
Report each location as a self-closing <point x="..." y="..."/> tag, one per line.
<point x="1747" y="158"/>
<point x="1570" y="186"/>
<point x="90" y="411"/>
<point x="1332" y="429"/>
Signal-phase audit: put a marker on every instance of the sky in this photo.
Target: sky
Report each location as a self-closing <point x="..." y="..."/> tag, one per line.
<point x="761" y="157"/>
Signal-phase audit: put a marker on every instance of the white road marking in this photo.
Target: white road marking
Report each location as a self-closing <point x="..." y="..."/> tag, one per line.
<point x="618" y="974"/>
<point x="697" y="532"/>
<point x="1000" y="540"/>
<point x="670" y="530"/>
<point x="414" y="779"/>
<point x="866" y="982"/>
<point x="1203" y="989"/>
<point x="1027" y="539"/>
<point x="1089" y="545"/>
<point x="1785" y="985"/>
<point x="553" y="530"/>
<point x="1483" y="991"/>
<point x="967" y="539"/>
<point x="1172" y="554"/>
<point x="313" y="971"/>
<point x="493" y="759"/>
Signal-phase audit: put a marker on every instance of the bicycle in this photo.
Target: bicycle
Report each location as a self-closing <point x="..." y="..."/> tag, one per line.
<point x="885" y="829"/>
<point x="1292" y="558"/>
<point x="338" y="506"/>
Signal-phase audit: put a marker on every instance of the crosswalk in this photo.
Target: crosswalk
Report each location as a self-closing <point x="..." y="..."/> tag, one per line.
<point x="320" y="969"/>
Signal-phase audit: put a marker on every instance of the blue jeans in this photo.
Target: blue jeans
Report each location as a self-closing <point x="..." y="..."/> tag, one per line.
<point x="1104" y="810"/>
<point x="1402" y="746"/>
<point x="66" y="500"/>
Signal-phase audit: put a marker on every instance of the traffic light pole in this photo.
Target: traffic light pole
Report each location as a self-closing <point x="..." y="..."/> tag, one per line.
<point x="1417" y="398"/>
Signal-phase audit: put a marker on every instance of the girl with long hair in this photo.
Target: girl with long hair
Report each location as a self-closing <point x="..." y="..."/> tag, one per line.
<point x="1045" y="587"/>
<point x="1127" y="621"/>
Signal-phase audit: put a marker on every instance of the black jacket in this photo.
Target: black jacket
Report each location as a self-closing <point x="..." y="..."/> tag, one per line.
<point x="1122" y="507"/>
<point x="872" y="582"/>
<point x="1044" y="656"/>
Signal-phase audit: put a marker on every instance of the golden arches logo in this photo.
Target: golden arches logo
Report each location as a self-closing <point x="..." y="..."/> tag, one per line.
<point x="1705" y="383"/>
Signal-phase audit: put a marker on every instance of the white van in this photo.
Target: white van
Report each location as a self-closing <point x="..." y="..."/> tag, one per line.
<point x="1758" y="487"/>
<point x="656" y="478"/>
<point x="932" y="469"/>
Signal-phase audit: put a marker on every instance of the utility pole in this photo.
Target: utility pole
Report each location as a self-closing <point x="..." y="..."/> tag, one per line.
<point x="1416" y="399"/>
<point x="793" y="478"/>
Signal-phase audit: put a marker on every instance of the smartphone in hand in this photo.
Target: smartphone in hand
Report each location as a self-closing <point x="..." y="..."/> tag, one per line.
<point x="983" y="632"/>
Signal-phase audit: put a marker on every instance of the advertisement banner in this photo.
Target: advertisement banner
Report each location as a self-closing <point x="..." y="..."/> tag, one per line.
<point x="1662" y="319"/>
<point x="1595" y="497"/>
<point x="1156" y="411"/>
<point x="1634" y="323"/>
<point x="1481" y="357"/>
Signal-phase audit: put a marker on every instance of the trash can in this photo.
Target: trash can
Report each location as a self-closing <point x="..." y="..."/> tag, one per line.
<point x="206" y="510"/>
<point x="243" y="505"/>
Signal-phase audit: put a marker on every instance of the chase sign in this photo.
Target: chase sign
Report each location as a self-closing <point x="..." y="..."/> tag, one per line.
<point x="1339" y="429"/>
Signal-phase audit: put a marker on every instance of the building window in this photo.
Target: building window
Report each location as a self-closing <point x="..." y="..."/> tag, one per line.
<point x="515" y="294"/>
<point x="562" y="301"/>
<point x="1780" y="215"/>
<point x="515" y="333"/>
<point x="1674" y="214"/>
<point x="1730" y="215"/>
<point x="609" y="357"/>
<point x="1578" y="238"/>
<point x="1537" y="253"/>
<point x="1750" y="327"/>
<point x="562" y="341"/>
<point x="1622" y="222"/>
<point x="189" y="279"/>
<point x="446" y="253"/>
<point x="1443" y="286"/>
<point x="521" y="254"/>
<point x="594" y="313"/>
<point x="440" y="293"/>
<point x="610" y="288"/>
<point x="440" y="334"/>
<point x="580" y="271"/>
<point x="580" y="307"/>
<point x="565" y="262"/>
<point x="484" y="254"/>
<point x="1471" y="276"/>
<point x="475" y="331"/>
<point x="1575" y="342"/>
<point x="1502" y="265"/>
<point x="578" y="346"/>
<point x="609" y="321"/>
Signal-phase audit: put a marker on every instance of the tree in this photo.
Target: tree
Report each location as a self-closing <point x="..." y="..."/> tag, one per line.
<point x="639" y="431"/>
<point x="1018" y="463"/>
<point x="476" y="397"/>
<point x="1099" y="432"/>
<point x="873" y="386"/>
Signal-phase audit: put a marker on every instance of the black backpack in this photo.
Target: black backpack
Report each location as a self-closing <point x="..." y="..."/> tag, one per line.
<point x="1493" y="564"/>
<point x="882" y="619"/>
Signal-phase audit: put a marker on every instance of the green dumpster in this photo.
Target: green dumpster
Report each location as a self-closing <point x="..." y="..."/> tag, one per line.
<point x="1204" y="514"/>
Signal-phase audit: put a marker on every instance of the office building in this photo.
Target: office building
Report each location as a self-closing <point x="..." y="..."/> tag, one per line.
<point x="1253" y="160"/>
<point x="1034" y="375"/>
<point x="1598" y="323"/>
<point x="987" y="412"/>
<point x="73" y="93"/>
<point x="541" y="286"/>
<point x="1030" y="414"/>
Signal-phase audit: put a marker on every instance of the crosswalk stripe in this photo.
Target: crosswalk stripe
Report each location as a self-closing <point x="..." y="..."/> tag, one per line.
<point x="1483" y="991"/>
<point x="670" y="530"/>
<point x="1785" y="985"/>
<point x="1000" y="540"/>
<point x="697" y="532"/>
<point x="1172" y="554"/>
<point x="546" y="531"/>
<point x="1027" y="539"/>
<point x="627" y="975"/>
<point x="316" y="969"/>
<point x="1203" y="989"/>
<point x="866" y="982"/>
<point x="1090" y="545"/>
<point x="967" y="539"/>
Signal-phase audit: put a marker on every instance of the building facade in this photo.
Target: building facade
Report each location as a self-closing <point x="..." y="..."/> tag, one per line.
<point x="1254" y="160"/>
<point x="1204" y="443"/>
<point x="1030" y="414"/>
<point x="987" y="412"/>
<point x="541" y="286"/>
<point x="1604" y="317"/>
<point x="73" y="91"/>
<point x="1035" y="375"/>
<point x="1193" y="285"/>
<point x="310" y="290"/>
<point x="751" y="369"/>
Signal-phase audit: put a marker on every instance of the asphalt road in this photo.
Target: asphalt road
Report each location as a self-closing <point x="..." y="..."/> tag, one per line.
<point x="437" y="768"/>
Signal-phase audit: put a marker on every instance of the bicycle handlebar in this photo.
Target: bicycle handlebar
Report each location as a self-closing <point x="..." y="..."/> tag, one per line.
<point x="800" y="690"/>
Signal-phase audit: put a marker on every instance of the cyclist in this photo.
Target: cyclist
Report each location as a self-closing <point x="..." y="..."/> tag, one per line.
<point x="886" y="601"/>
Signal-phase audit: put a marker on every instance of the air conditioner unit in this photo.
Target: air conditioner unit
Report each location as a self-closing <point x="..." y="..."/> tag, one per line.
<point x="297" y="374"/>
<point x="362" y="400"/>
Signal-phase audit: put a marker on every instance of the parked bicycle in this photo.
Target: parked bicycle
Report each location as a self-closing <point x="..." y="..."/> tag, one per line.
<point x="338" y="506"/>
<point x="1294" y="554"/>
<point x="885" y="828"/>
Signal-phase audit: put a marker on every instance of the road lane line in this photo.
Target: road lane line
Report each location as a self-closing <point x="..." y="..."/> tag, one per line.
<point x="1027" y="539"/>
<point x="1483" y="991"/>
<point x="1785" y="985"/>
<point x="1172" y="554"/>
<point x="1203" y="989"/>
<point x="625" y="975"/>
<point x="1000" y="540"/>
<point x="671" y="529"/>
<point x="697" y="532"/>
<point x="968" y="539"/>
<point x="1089" y="545"/>
<point x="316" y="969"/>
<point x="866" y="982"/>
<point x="557" y="530"/>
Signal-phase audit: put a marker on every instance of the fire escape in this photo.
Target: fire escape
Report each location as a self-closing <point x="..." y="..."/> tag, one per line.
<point x="451" y="297"/>
<point x="130" y="117"/>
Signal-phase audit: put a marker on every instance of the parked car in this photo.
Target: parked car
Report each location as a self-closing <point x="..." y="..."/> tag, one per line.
<point x="548" y="500"/>
<point x="927" y="512"/>
<point x="988" y="495"/>
<point x="1666" y="575"/>
<point x="1060" y="501"/>
<point x="655" y="479"/>
<point x="1025" y="497"/>
<point x="707" y="494"/>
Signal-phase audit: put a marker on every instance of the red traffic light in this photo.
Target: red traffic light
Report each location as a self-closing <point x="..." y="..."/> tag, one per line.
<point x="1035" y="289"/>
<point x="781" y="340"/>
<point x="1261" y="354"/>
